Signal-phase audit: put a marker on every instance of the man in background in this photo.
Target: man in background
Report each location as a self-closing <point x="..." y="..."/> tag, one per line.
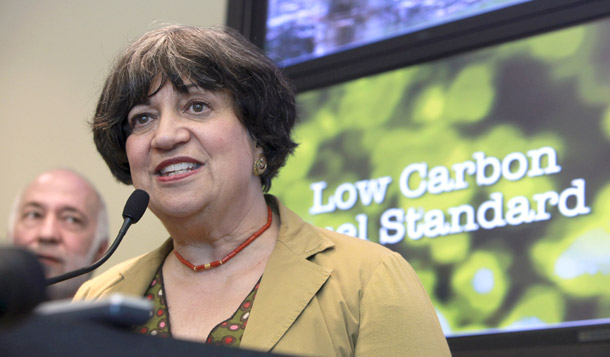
<point x="62" y="218"/>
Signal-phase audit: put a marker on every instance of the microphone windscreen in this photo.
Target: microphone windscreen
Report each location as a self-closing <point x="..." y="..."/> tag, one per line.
<point x="23" y="283"/>
<point x="136" y="205"/>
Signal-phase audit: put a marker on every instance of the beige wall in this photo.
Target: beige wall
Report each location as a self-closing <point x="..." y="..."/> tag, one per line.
<point x="54" y="55"/>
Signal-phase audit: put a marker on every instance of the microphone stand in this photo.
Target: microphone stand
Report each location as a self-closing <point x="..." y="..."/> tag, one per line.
<point x="132" y="212"/>
<point x="127" y="222"/>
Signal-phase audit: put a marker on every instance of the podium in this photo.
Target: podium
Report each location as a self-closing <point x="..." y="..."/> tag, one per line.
<point x="55" y="336"/>
<point x="586" y="339"/>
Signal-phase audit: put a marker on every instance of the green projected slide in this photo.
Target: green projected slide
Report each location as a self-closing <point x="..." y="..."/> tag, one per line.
<point x="489" y="171"/>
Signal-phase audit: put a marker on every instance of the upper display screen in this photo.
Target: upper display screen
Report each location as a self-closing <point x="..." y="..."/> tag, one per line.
<point x="301" y="30"/>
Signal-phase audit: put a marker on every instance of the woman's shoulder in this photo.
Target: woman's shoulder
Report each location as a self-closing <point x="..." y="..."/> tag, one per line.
<point x="308" y="240"/>
<point x="293" y="225"/>
<point x="361" y="257"/>
<point x="353" y="246"/>
<point x="121" y="277"/>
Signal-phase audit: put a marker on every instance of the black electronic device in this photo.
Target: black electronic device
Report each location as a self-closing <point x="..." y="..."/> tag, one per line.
<point x="116" y="309"/>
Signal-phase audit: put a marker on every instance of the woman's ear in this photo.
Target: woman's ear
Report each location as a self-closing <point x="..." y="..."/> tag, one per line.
<point x="258" y="150"/>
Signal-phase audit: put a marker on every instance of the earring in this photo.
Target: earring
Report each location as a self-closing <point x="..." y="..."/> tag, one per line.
<point x="260" y="165"/>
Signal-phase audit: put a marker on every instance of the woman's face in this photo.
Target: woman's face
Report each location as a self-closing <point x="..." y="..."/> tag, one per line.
<point x="189" y="151"/>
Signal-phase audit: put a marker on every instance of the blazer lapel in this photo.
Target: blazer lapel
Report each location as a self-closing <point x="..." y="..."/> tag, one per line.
<point x="288" y="284"/>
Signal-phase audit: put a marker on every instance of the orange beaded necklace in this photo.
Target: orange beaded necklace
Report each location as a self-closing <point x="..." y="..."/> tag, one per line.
<point x="216" y="263"/>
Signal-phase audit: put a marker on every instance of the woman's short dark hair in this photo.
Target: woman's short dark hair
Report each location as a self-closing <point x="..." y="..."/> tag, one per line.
<point x="213" y="58"/>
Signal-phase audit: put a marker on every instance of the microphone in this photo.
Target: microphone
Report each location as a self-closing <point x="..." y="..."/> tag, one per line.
<point x="134" y="210"/>
<point x="22" y="282"/>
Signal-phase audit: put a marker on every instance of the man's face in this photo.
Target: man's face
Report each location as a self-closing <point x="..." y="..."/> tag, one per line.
<point x="57" y="219"/>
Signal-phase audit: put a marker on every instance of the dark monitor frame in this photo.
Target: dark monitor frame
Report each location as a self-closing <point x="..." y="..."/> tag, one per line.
<point x="506" y="24"/>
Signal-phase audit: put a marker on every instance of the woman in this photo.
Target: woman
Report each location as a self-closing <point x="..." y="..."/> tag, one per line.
<point x="201" y="120"/>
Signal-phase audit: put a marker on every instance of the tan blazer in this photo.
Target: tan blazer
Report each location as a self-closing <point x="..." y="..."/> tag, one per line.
<point x="322" y="294"/>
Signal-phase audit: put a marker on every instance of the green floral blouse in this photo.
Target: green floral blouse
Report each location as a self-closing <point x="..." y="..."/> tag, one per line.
<point x="227" y="333"/>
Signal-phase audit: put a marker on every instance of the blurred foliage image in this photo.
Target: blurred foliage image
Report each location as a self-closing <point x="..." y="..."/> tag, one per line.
<point x="488" y="171"/>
